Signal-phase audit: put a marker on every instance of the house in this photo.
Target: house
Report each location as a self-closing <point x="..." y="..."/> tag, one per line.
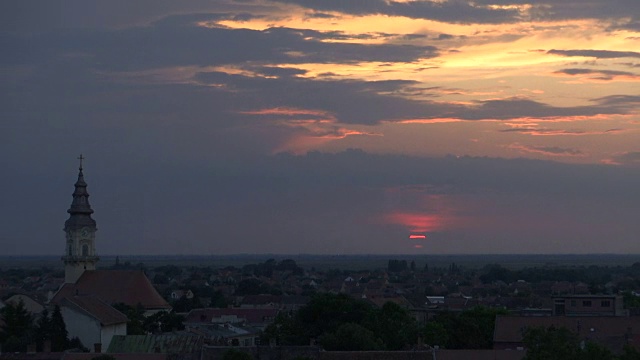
<point x="589" y="305"/>
<point x="29" y="304"/>
<point x="263" y="301"/>
<point x="129" y="287"/>
<point x="612" y="332"/>
<point x="93" y="321"/>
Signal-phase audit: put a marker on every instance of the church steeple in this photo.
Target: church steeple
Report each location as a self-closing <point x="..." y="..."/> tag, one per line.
<point x="80" y="228"/>
<point x="80" y="210"/>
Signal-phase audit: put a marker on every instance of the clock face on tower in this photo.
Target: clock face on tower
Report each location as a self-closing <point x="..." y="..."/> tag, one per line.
<point x="85" y="232"/>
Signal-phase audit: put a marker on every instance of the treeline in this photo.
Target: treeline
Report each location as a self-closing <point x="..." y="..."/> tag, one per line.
<point x="587" y="274"/>
<point x="340" y="323"/>
<point x="19" y="331"/>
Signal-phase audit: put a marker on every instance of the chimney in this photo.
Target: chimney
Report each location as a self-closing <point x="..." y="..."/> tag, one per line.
<point x="97" y="347"/>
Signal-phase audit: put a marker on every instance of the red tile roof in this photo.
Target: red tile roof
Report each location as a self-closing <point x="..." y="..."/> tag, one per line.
<point x="95" y="308"/>
<point x="131" y="287"/>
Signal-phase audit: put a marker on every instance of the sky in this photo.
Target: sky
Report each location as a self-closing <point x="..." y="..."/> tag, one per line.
<point x="322" y="127"/>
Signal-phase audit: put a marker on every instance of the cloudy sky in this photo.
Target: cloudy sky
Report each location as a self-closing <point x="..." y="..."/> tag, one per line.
<point x="330" y="127"/>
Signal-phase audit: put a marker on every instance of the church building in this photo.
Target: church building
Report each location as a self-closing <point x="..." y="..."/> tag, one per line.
<point x="88" y="294"/>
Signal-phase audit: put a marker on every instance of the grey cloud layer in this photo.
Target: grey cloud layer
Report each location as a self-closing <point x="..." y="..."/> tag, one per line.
<point x="458" y="11"/>
<point x="178" y="42"/>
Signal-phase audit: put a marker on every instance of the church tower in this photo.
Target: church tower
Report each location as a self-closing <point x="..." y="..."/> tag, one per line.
<point x="80" y="230"/>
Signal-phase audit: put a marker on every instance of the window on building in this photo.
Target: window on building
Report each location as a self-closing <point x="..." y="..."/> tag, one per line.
<point x="605" y="303"/>
<point x="85" y="250"/>
<point x="586" y="303"/>
<point x="573" y="303"/>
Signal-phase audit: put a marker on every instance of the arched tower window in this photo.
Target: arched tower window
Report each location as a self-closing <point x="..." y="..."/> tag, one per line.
<point x="85" y="250"/>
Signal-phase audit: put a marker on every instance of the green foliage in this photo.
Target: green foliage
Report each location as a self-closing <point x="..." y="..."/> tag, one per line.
<point x="135" y="325"/>
<point x="562" y="344"/>
<point x="185" y="305"/>
<point x="397" y="265"/>
<point x="630" y="353"/>
<point x="75" y="343"/>
<point x="593" y="351"/>
<point x="163" y="321"/>
<point x="471" y="329"/>
<point x="328" y="317"/>
<point x="551" y="344"/>
<point x="326" y="312"/>
<point x="255" y="287"/>
<point x="351" y="337"/>
<point x="234" y="354"/>
<point x="394" y="326"/>
<point x="59" y="335"/>
<point x="43" y="329"/>
<point x="17" y="331"/>
<point x="435" y="334"/>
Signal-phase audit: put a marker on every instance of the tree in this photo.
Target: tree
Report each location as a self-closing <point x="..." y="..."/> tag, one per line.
<point x="43" y="329"/>
<point x="393" y="325"/>
<point x="135" y="325"/>
<point x="234" y="354"/>
<point x="435" y="334"/>
<point x="326" y="312"/>
<point x="630" y="353"/>
<point x="551" y="344"/>
<point x="59" y="335"/>
<point x="593" y="351"/>
<point x="397" y="265"/>
<point x="472" y="329"/>
<point x="351" y="337"/>
<point x="163" y="322"/>
<point x="17" y="331"/>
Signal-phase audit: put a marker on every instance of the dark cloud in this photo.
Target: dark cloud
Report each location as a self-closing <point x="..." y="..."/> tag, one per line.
<point x="279" y="71"/>
<point x="519" y="107"/>
<point x="600" y="74"/>
<point x="449" y="11"/>
<point x="457" y="11"/>
<point x="549" y="150"/>
<point x="631" y="158"/>
<point x="600" y="54"/>
<point x="319" y="15"/>
<point x="176" y="41"/>
<point x="445" y="37"/>
<point x="624" y="103"/>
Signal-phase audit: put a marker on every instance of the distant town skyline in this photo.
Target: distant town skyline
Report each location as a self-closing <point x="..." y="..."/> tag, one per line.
<point x="323" y="127"/>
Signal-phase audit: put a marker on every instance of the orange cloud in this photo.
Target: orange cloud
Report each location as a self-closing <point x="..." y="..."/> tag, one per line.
<point x="308" y="128"/>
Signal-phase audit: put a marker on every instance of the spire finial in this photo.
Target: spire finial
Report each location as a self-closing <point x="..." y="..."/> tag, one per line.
<point x="80" y="158"/>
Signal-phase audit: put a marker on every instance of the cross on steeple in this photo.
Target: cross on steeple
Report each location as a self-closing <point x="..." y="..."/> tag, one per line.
<point x="80" y="158"/>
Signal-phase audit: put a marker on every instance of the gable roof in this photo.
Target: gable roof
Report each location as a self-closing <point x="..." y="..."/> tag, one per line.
<point x="131" y="287"/>
<point x="30" y="304"/>
<point x="96" y="308"/>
